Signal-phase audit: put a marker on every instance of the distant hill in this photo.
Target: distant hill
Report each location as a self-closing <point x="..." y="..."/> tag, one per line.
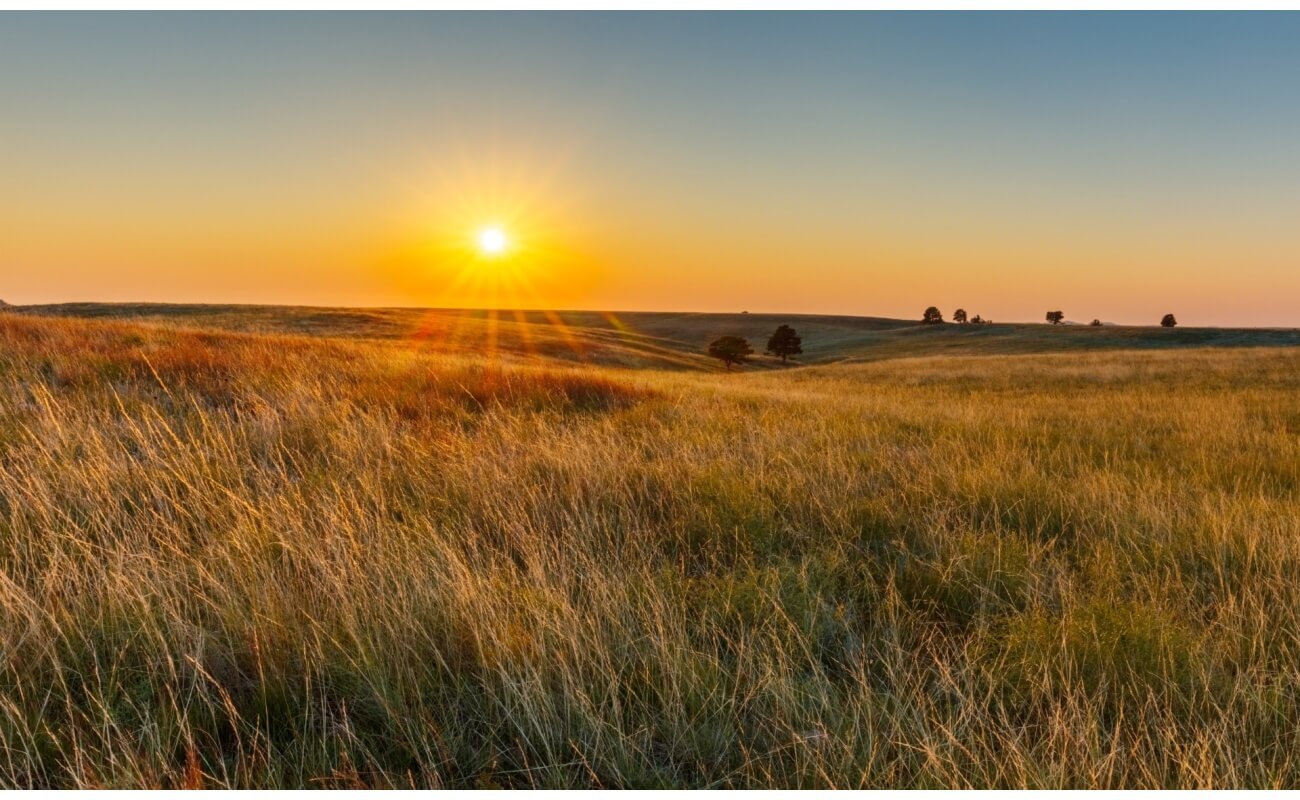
<point x="669" y="340"/>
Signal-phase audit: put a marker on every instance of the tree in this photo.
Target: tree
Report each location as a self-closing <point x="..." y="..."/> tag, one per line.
<point x="730" y="350"/>
<point x="785" y="342"/>
<point x="977" y="320"/>
<point x="959" y="315"/>
<point x="1055" y="317"/>
<point x="932" y="316"/>
<point x="1096" y="323"/>
<point x="1168" y="321"/>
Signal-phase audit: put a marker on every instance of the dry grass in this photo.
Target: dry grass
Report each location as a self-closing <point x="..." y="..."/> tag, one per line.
<point x="232" y="560"/>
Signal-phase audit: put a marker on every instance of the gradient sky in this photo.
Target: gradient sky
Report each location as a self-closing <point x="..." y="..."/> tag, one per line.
<point x="1116" y="165"/>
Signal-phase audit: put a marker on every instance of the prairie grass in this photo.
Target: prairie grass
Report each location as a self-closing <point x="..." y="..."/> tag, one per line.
<point x="236" y="560"/>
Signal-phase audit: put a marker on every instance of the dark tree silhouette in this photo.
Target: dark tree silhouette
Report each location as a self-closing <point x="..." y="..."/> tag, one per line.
<point x="785" y="342"/>
<point x="959" y="315"/>
<point x="1055" y="317"/>
<point x="1168" y="321"/>
<point x="730" y="350"/>
<point x="1096" y="323"/>
<point x="977" y="320"/>
<point x="932" y="316"/>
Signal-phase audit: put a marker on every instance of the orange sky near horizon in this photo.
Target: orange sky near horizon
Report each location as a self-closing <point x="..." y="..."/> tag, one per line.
<point x="664" y="163"/>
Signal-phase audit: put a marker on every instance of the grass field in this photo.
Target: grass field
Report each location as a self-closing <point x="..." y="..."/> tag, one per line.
<point x="354" y="548"/>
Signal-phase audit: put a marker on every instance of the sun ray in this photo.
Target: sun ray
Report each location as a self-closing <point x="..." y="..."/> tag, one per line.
<point x="492" y="334"/>
<point x="493" y="228"/>
<point x="566" y="333"/>
<point x="615" y="322"/>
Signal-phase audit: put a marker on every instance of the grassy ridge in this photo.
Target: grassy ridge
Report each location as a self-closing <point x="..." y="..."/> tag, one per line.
<point x="262" y="560"/>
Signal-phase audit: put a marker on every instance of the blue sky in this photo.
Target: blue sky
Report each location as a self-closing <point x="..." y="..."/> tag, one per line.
<point x="1117" y="165"/>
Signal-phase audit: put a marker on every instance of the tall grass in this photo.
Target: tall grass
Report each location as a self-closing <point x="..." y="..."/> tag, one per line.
<point x="251" y="561"/>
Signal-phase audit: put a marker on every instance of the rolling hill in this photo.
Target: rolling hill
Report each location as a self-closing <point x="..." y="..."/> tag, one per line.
<point x="665" y="340"/>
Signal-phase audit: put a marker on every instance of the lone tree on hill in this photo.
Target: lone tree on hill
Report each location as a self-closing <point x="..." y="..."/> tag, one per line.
<point x="730" y="350"/>
<point x="1055" y="317"/>
<point x="1096" y="323"/>
<point x="932" y="316"/>
<point x="959" y="315"/>
<point x="785" y="342"/>
<point x="1168" y="321"/>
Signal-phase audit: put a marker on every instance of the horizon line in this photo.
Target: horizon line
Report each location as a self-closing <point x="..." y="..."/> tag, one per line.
<point x="541" y="310"/>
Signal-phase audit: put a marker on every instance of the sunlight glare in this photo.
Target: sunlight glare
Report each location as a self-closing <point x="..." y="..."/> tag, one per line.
<point x="492" y="241"/>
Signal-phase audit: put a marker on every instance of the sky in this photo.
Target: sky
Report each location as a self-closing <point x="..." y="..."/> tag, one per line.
<point x="1116" y="165"/>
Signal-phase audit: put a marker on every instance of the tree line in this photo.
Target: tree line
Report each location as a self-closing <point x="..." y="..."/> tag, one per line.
<point x="1057" y="317"/>
<point x="786" y="342"/>
<point x="933" y="316"/>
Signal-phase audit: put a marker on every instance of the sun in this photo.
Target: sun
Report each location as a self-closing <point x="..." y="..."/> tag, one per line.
<point x="492" y="241"/>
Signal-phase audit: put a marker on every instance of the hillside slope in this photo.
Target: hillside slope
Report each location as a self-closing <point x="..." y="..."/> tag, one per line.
<point x="666" y="340"/>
